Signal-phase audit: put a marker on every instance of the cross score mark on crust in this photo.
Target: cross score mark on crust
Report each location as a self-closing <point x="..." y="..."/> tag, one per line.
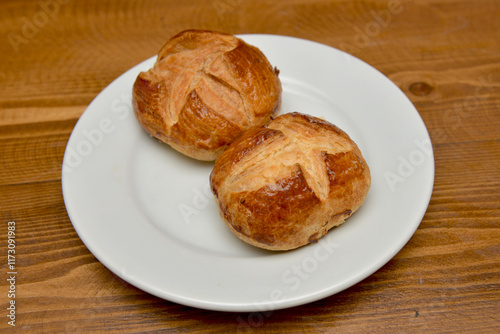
<point x="290" y="150"/>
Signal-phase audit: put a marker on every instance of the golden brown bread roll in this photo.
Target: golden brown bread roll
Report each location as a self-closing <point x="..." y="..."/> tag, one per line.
<point x="285" y="185"/>
<point x="204" y="90"/>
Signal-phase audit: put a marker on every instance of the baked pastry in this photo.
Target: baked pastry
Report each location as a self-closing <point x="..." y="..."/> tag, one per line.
<point x="284" y="185"/>
<point x="204" y="90"/>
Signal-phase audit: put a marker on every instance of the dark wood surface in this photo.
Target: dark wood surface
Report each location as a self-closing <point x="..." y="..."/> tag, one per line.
<point x="57" y="55"/>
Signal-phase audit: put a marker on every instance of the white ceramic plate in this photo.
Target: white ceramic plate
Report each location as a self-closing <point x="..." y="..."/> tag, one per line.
<point x="146" y="212"/>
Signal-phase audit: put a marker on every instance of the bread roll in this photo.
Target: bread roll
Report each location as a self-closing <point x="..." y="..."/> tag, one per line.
<point x="284" y="185"/>
<point x="204" y="90"/>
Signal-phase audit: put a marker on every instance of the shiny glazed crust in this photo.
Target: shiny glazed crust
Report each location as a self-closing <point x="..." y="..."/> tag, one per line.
<point x="204" y="90"/>
<point x="284" y="185"/>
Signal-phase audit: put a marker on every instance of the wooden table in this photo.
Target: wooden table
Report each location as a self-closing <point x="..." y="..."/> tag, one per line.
<point x="57" y="55"/>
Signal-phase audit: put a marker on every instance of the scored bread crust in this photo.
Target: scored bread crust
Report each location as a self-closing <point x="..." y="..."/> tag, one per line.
<point x="284" y="185"/>
<point x="205" y="89"/>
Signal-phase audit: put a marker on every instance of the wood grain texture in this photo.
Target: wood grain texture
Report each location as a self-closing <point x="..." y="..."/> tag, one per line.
<point x="57" y="55"/>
